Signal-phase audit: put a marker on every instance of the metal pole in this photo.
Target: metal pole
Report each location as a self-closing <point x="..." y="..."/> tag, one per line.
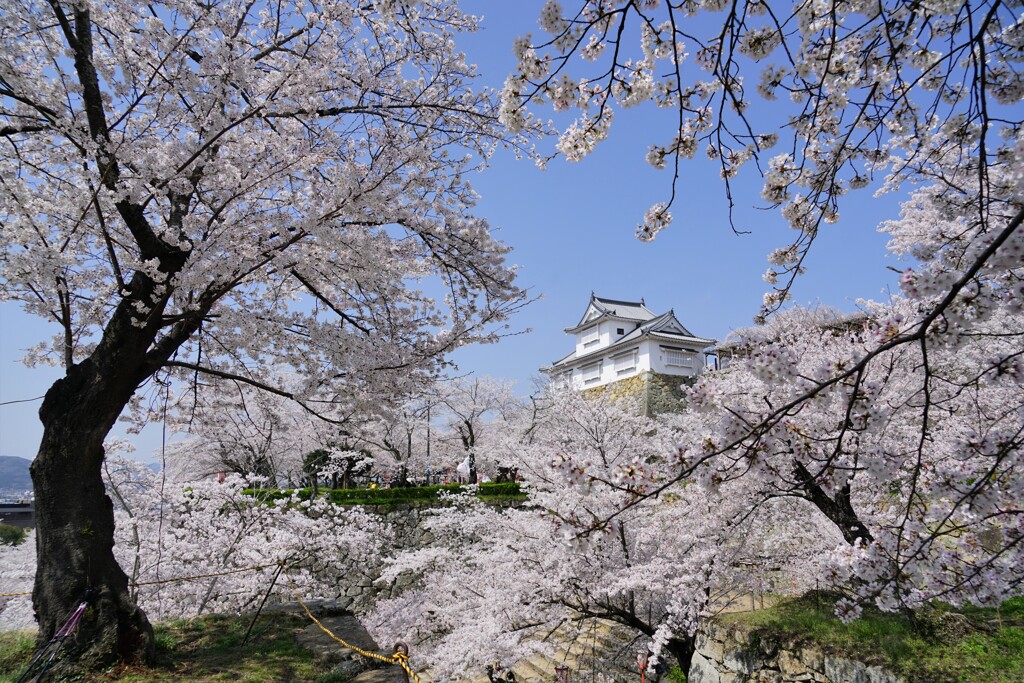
<point x="403" y="647"/>
<point x="262" y="603"/>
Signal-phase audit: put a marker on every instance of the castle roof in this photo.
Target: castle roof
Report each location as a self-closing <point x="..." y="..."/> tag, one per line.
<point x="664" y="328"/>
<point x="599" y="308"/>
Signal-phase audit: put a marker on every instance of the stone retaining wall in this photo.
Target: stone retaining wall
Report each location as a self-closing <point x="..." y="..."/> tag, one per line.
<point x="728" y="654"/>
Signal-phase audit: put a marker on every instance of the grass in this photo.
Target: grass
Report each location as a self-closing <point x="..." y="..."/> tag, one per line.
<point x="202" y="650"/>
<point x="971" y="645"/>
<point x="675" y="675"/>
<point x="491" y="492"/>
<point x="15" y="652"/>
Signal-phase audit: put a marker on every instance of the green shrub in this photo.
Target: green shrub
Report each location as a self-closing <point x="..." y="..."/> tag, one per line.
<point x="676" y="675"/>
<point x="11" y="535"/>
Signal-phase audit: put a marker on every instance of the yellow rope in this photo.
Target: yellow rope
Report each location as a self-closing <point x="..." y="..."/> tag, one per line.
<point x="205" y="576"/>
<point x="399" y="658"/>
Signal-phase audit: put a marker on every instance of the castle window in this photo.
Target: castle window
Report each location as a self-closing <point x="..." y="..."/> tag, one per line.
<point x="625" y="363"/>
<point x="678" y="359"/>
<point x="592" y="373"/>
<point x="591" y="337"/>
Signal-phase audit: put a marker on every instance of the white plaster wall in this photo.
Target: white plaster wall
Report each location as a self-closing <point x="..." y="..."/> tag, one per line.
<point x="603" y="339"/>
<point x="659" y="365"/>
<point x="650" y="357"/>
<point x="647" y="353"/>
<point x="614" y="374"/>
<point x="608" y="331"/>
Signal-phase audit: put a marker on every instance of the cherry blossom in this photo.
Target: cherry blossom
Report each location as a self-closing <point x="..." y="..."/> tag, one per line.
<point x="231" y="191"/>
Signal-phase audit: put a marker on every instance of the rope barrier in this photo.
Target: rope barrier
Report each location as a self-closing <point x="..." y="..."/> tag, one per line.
<point x="204" y="576"/>
<point x="175" y="579"/>
<point x="399" y="657"/>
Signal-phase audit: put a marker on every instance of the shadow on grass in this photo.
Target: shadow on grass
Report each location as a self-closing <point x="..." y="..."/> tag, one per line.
<point x="203" y="650"/>
<point x="939" y="643"/>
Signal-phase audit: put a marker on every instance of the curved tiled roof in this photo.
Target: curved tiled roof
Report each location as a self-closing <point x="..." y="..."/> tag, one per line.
<point x="635" y="311"/>
<point x="665" y="327"/>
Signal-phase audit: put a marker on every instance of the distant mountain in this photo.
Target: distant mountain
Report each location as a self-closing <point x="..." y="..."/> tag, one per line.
<point x="14" y="476"/>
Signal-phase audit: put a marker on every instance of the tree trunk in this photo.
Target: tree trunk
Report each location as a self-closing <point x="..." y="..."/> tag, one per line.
<point x="838" y="508"/>
<point x="680" y="647"/>
<point x="74" y="517"/>
<point x="682" y="650"/>
<point x="75" y="524"/>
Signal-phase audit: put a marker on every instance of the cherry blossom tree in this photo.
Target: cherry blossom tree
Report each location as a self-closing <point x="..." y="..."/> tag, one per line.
<point x="847" y="91"/>
<point x="471" y="408"/>
<point x="235" y="427"/>
<point x="209" y="546"/>
<point x="905" y="434"/>
<point x="398" y="438"/>
<point x="234" y="541"/>
<point x="913" y="457"/>
<point x="496" y="579"/>
<point x="197" y="190"/>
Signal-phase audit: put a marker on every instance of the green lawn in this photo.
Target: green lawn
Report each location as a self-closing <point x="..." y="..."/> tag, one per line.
<point x="961" y="646"/>
<point x="942" y="644"/>
<point x="202" y="650"/>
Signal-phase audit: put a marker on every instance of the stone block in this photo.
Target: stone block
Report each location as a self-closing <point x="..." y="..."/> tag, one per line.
<point x="741" y="661"/>
<point x="841" y="670"/>
<point x="878" y="674"/>
<point x="791" y="665"/>
<point x="710" y="648"/>
<point x="702" y="670"/>
<point x="768" y="647"/>
<point x="812" y="659"/>
<point x="349" y="668"/>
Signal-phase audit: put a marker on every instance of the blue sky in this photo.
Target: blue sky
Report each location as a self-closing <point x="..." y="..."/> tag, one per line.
<point x="572" y="230"/>
<point x="572" y="227"/>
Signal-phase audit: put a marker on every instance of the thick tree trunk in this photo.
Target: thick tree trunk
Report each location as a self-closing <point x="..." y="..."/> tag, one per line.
<point x="75" y="524"/>
<point x="75" y="521"/>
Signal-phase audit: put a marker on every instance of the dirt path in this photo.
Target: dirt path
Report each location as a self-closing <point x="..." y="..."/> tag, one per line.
<point x="347" y="627"/>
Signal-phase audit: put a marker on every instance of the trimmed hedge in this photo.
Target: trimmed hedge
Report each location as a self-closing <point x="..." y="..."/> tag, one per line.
<point x="394" y="496"/>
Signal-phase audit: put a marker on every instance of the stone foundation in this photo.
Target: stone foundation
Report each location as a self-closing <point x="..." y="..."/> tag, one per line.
<point x="728" y="654"/>
<point x="656" y="393"/>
